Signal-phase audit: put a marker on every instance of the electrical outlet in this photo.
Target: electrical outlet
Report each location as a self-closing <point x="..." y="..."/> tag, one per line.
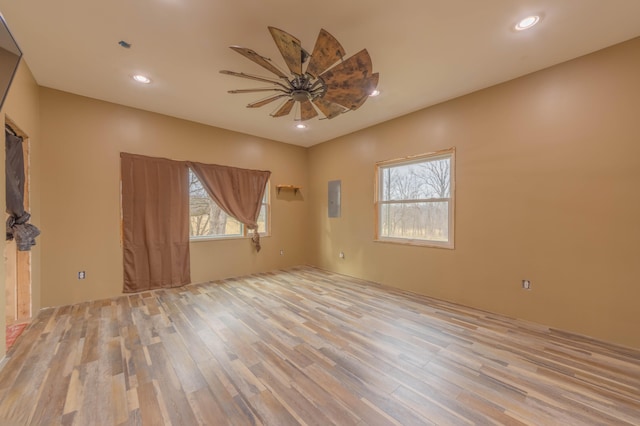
<point x="82" y="275"/>
<point x="281" y="252"/>
<point x="526" y="284"/>
<point x="341" y="255"/>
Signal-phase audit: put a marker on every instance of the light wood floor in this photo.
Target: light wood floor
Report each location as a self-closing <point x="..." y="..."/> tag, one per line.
<point x="304" y="346"/>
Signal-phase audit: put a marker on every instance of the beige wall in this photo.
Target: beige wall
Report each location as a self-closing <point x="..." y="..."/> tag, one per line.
<point x="21" y="107"/>
<point x="548" y="173"/>
<point x="82" y="139"/>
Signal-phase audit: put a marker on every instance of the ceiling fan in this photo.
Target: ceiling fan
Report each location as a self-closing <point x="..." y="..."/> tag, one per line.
<point x="315" y="80"/>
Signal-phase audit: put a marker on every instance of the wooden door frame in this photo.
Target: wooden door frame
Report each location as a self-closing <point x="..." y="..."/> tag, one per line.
<point x="18" y="263"/>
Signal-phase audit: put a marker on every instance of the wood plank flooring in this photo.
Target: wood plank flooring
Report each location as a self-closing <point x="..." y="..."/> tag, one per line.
<point x="304" y="346"/>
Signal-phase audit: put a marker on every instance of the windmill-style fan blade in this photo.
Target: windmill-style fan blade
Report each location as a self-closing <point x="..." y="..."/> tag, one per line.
<point x="353" y="99"/>
<point x="307" y="111"/>
<point x="256" y="90"/>
<point x="290" y="49"/>
<point x="326" y="52"/>
<point x="329" y="109"/>
<point x="329" y="85"/>
<point x="368" y="87"/>
<point x="253" y="77"/>
<point x="265" y="101"/>
<point x="260" y="60"/>
<point x="347" y="82"/>
<point x="284" y="109"/>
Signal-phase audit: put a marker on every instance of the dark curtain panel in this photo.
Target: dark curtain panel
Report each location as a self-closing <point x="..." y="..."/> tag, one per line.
<point x="155" y="213"/>
<point x="238" y="192"/>
<point x="17" y="227"/>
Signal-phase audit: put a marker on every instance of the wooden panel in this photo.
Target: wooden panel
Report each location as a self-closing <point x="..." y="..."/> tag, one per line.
<point x="330" y="110"/>
<point x="350" y="82"/>
<point x="304" y="346"/>
<point x="258" y="59"/>
<point x="23" y="299"/>
<point x="307" y="111"/>
<point x="326" y="52"/>
<point x="284" y="109"/>
<point x="290" y="48"/>
<point x="10" y="282"/>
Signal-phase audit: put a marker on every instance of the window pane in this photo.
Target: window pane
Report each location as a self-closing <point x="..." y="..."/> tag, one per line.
<point x="422" y="221"/>
<point x="262" y="219"/>
<point x="207" y="219"/>
<point x="423" y="180"/>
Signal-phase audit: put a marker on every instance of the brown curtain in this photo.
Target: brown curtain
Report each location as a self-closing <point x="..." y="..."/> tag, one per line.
<point x="238" y="192"/>
<point x="155" y="219"/>
<point x="17" y="227"/>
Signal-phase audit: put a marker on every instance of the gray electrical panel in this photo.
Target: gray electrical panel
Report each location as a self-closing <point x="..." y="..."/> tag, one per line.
<point x="334" y="198"/>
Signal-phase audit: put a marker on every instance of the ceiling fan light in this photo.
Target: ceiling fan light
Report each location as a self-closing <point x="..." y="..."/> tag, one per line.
<point x="141" y="79"/>
<point x="301" y="126"/>
<point x="527" y="22"/>
<point x="374" y="92"/>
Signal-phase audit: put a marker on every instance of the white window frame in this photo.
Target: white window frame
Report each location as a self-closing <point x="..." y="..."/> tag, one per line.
<point x="379" y="202"/>
<point x="245" y="233"/>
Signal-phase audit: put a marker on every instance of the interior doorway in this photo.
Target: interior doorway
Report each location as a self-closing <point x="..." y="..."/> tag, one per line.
<point x="18" y="263"/>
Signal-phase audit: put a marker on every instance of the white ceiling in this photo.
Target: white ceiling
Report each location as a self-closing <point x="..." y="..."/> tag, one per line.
<point x="426" y="51"/>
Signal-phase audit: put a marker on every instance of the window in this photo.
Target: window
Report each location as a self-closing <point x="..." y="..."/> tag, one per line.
<point x="414" y="199"/>
<point x="207" y="220"/>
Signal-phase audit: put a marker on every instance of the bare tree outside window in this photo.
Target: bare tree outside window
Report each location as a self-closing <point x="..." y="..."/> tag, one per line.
<point x="434" y="177"/>
<point x="414" y="199"/>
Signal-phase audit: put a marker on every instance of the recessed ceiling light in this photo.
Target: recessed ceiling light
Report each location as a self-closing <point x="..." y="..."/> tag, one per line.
<point x="527" y="22"/>
<point x="301" y="126"/>
<point x="141" y="79"/>
<point x="376" y="92"/>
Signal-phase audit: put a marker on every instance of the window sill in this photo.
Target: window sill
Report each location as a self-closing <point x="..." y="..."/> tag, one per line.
<point x="418" y="243"/>
<point x="225" y="238"/>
